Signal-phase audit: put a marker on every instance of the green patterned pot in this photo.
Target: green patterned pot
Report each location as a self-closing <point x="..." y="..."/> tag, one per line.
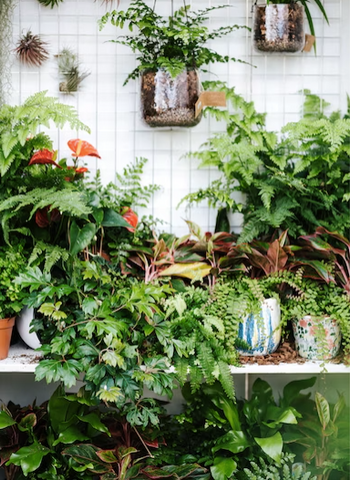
<point x="317" y="338"/>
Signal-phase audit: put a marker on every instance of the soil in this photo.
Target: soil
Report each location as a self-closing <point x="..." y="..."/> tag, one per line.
<point x="279" y="28"/>
<point x="170" y="102"/>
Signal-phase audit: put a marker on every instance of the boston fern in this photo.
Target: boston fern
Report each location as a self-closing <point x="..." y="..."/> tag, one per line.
<point x="175" y="43"/>
<point x="297" y="183"/>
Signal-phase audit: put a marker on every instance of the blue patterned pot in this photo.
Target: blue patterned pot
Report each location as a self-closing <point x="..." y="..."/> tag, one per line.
<point x="262" y="333"/>
<point x="317" y="338"/>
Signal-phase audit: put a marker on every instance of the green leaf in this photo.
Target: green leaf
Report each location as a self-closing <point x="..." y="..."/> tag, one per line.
<point x="114" y="219"/>
<point x="94" y="421"/>
<point x="27" y="422"/>
<point x="107" y="456"/>
<point x="193" y="271"/>
<point x="223" y="468"/>
<point x="272" y="446"/>
<point x="234" y="441"/>
<point x="323" y="410"/>
<point x="81" y="238"/>
<point x="29" y="458"/>
<point x="6" y="420"/>
<point x="70" y="435"/>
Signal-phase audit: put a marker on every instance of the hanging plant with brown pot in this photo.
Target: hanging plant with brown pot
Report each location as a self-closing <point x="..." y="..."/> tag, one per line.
<point x="278" y="26"/>
<point x="169" y="54"/>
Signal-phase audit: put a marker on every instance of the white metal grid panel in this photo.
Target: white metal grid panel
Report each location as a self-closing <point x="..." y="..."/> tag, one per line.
<point x="112" y="110"/>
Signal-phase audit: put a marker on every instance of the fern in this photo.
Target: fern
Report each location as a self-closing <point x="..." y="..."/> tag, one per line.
<point x="284" y="471"/>
<point x="207" y="362"/>
<point x="53" y="254"/>
<point x="226" y="379"/>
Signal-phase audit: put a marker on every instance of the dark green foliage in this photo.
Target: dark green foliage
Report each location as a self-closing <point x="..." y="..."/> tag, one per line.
<point x="174" y="43"/>
<point x="12" y="263"/>
<point x="297" y="184"/>
<point x="50" y="3"/>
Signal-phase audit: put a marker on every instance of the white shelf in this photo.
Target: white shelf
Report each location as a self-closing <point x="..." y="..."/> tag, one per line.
<point x="23" y="359"/>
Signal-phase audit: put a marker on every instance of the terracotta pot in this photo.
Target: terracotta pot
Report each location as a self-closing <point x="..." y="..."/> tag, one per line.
<point x="170" y="102"/>
<point x="6" y="326"/>
<point x="261" y="332"/>
<point x="317" y="338"/>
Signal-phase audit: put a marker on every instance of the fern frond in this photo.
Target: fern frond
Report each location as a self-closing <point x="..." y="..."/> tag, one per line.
<point x="53" y="254"/>
<point x="206" y="360"/>
<point x="226" y="379"/>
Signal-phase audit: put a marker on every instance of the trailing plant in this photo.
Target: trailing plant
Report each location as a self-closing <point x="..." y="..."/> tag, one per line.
<point x="6" y="12"/>
<point x="69" y="69"/>
<point x="31" y="49"/>
<point x="174" y="44"/>
<point x="295" y="184"/>
<point x="12" y="263"/>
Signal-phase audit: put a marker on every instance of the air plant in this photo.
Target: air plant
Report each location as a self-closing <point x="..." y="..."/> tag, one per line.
<point x="69" y="69"/>
<point x="50" y="3"/>
<point x="31" y="49"/>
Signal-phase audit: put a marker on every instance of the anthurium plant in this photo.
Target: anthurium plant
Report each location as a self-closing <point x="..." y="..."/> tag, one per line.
<point x="175" y="43"/>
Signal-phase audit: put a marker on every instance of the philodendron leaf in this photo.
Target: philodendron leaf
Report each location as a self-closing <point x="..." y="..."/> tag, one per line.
<point x="323" y="410"/>
<point x="29" y="458"/>
<point x="234" y="441"/>
<point x="223" y="468"/>
<point x="94" y="421"/>
<point x="6" y="420"/>
<point x="272" y="446"/>
<point x="193" y="271"/>
<point x="80" y="238"/>
<point x="70" y="435"/>
<point x="114" y="219"/>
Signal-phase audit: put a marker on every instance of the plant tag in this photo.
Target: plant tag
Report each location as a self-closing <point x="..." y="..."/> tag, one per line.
<point x="309" y="41"/>
<point x="210" y="99"/>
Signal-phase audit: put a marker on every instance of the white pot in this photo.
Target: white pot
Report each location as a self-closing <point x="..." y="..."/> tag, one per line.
<point x="23" y="326"/>
<point x="262" y="333"/>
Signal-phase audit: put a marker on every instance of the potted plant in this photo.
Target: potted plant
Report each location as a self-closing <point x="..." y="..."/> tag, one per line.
<point x="170" y="53"/>
<point x="12" y="263"/>
<point x="278" y="26"/>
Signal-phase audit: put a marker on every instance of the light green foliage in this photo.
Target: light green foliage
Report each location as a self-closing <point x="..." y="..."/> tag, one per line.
<point x="297" y="183"/>
<point x="264" y="471"/>
<point x="174" y="43"/>
<point x="12" y="263"/>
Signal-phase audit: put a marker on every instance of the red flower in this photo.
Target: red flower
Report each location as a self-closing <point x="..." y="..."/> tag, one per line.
<point x="81" y="148"/>
<point x="81" y="170"/>
<point x="43" y="217"/>
<point x="130" y="217"/>
<point x="44" y="157"/>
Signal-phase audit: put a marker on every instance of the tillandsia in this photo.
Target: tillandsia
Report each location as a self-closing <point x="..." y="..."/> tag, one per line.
<point x="50" y="3"/>
<point x="69" y="69"/>
<point x="31" y="49"/>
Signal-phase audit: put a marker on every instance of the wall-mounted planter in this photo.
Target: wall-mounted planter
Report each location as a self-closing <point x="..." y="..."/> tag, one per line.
<point x="23" y="327"/>
<point x="6" y="327"/>
<point x="170" y="102"/>
<point x="317" y="338"/>
<point x="262" y="333"/>
<point x="278" y="28"/>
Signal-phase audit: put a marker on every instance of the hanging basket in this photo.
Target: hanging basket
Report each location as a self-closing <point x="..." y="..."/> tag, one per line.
<point x="278" y="28"/>
<point x="317" y="338"/>
<point x="261" y="333"/>
<point x="170" y="102"/>
<point x="6" y="327"/>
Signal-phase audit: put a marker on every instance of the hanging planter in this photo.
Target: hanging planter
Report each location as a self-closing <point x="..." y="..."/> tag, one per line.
<point x="261" y="333"/>
<point x="279" y="28"/>
<point x="169" y="53"/>
<point x="6" y="327"/>
<point x="167" y="101"/>
<point x="23" y="325"/>
<point x="317" y="338"/>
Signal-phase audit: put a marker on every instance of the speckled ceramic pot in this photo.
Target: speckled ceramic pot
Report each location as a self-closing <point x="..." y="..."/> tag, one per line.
<point x="262" y="333"/>
<point x="317" y="338"/>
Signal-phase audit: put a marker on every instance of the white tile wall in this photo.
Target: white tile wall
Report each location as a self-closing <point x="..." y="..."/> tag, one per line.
<point x="112" y="110"/>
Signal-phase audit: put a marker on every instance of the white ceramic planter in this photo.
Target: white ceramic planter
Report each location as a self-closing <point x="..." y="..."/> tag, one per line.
<point x="317" y="338"/>
<point x="23" y="326"/>
<point x="262" y="333"/>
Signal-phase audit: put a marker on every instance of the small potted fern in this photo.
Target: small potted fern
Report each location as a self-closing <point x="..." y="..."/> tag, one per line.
<point x="170" y="53"/>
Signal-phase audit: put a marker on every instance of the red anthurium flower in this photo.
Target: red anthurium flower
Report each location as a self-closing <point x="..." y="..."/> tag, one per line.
<point x="43" y="217"/>
<point x="81" y="148"/>
<point x="130" y="217"/>
<point x="45" y="157"/>
<point x="81" y="170"/>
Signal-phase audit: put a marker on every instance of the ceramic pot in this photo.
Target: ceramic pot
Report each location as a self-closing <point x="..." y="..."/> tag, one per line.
<point x="6" y="326"/>
<point x="317" y="338"/>
<point x="278" y="28"/>
<point x="170" y="102"/>
<point x="261" y="332"/>
<point x="23" y="327"/>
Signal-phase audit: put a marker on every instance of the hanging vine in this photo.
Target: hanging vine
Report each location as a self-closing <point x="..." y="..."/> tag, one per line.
<point x="6" y="11"/>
